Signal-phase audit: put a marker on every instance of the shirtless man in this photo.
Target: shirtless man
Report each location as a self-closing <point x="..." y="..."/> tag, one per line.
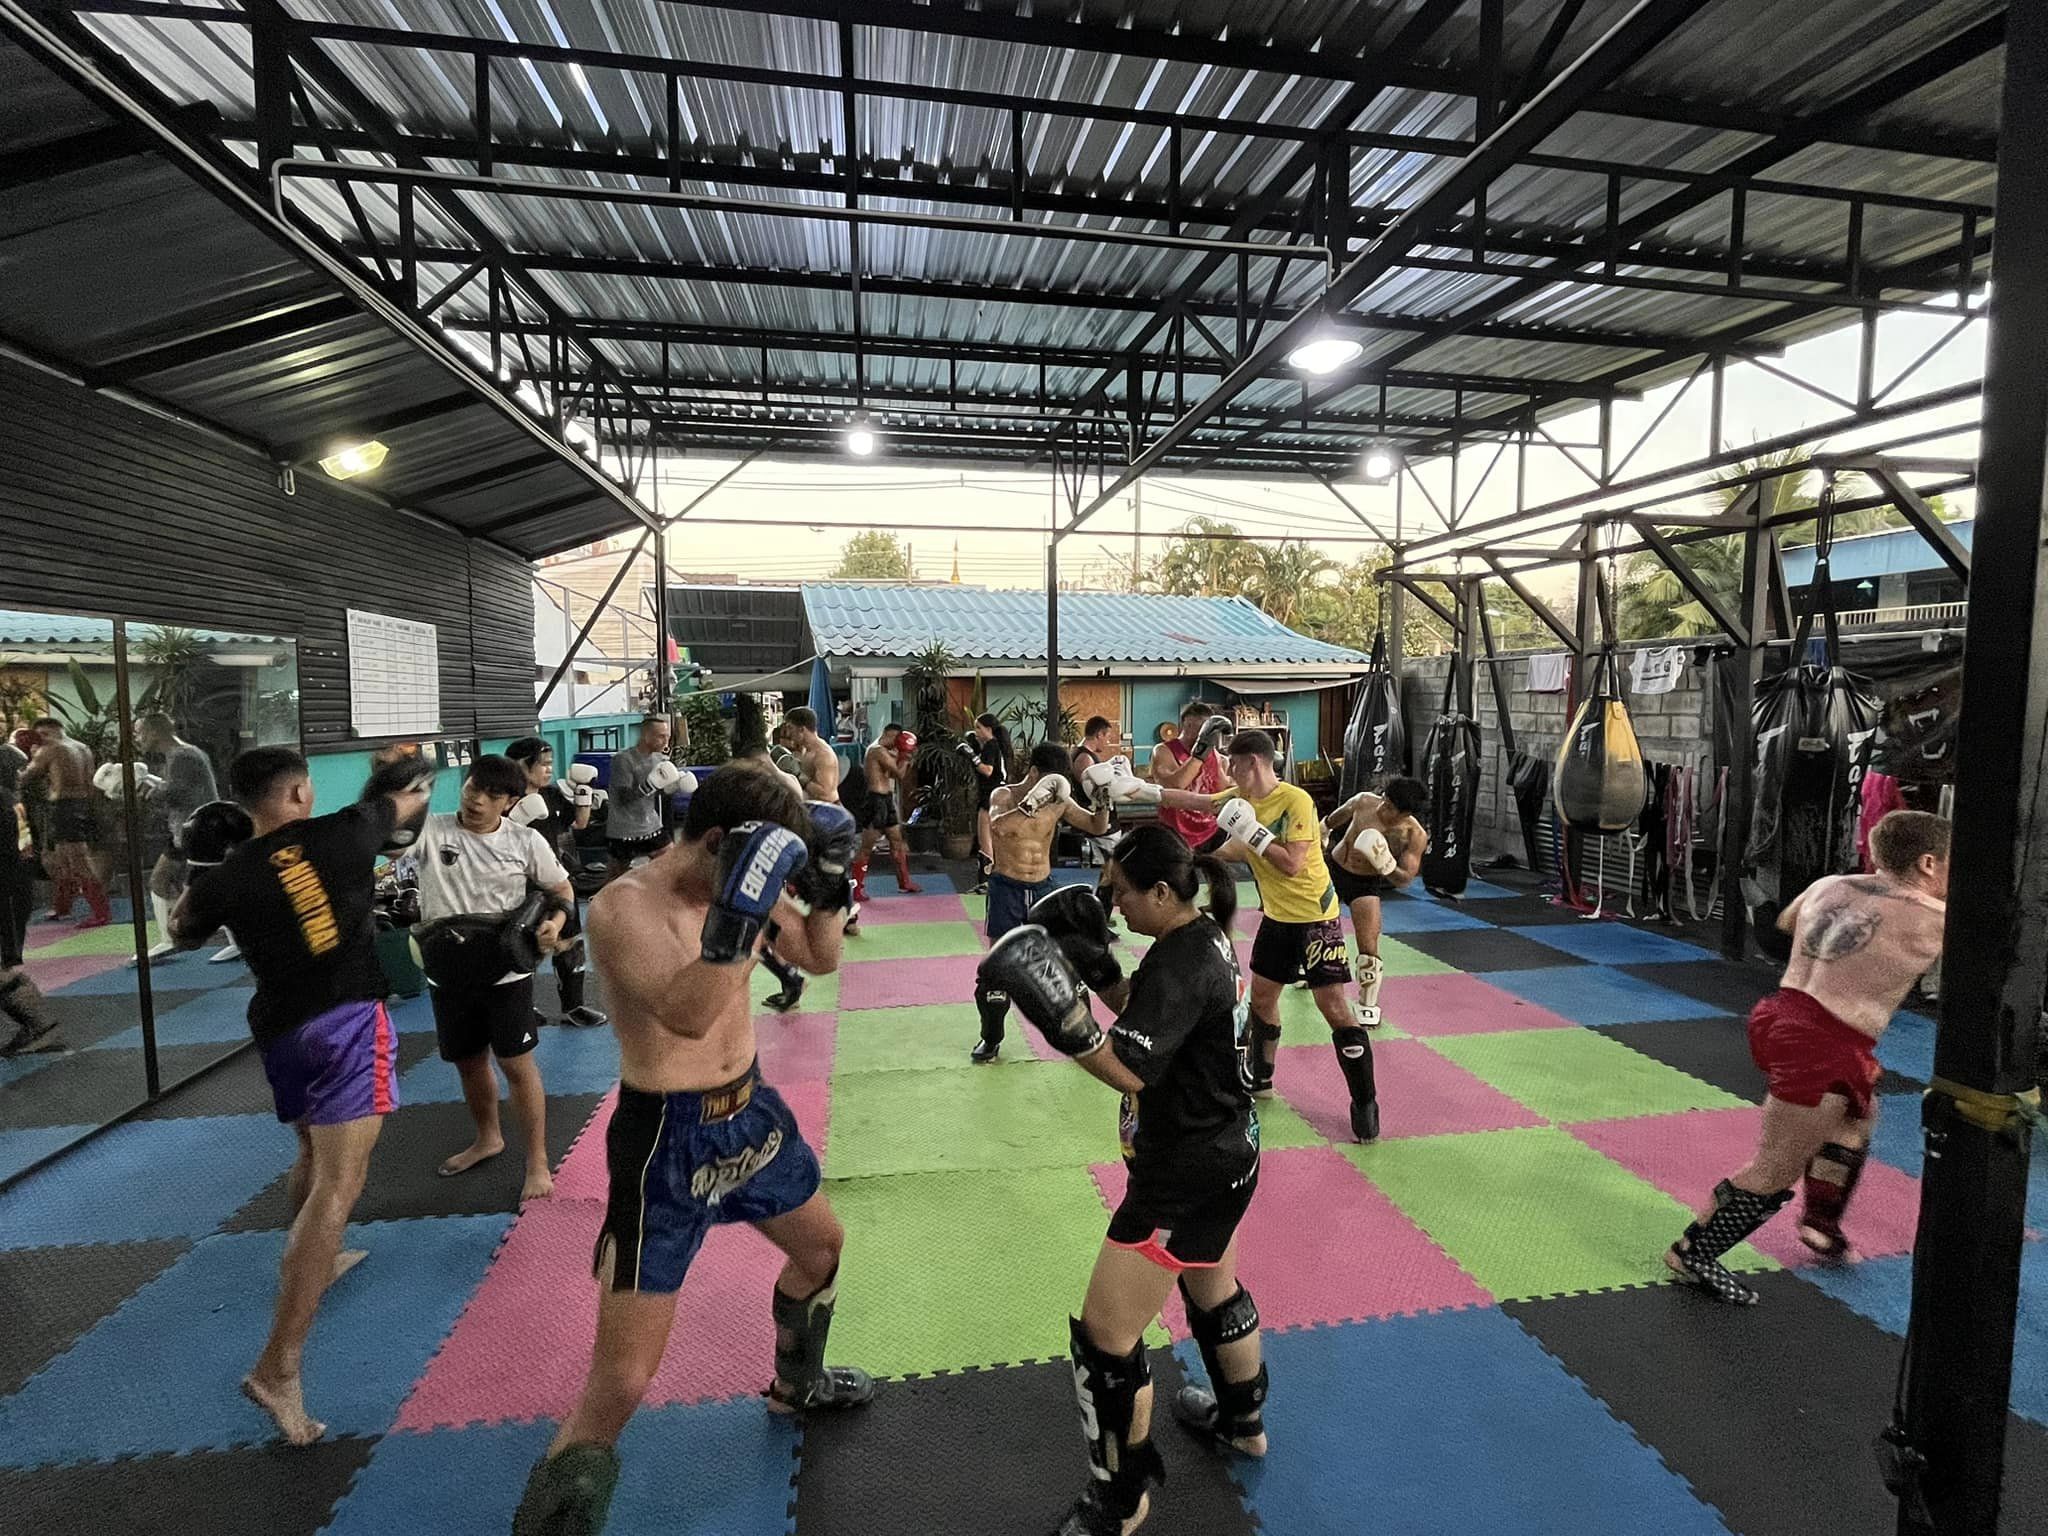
<point x="66" y="766"/>
<point x="698" y="1139"/>
<point x="887" y="765"/>
<point x="1858" y="944"/>
<point x="819" y="769"/>
<point x="1373" y="844"/>
<point x="1023" y="821"/>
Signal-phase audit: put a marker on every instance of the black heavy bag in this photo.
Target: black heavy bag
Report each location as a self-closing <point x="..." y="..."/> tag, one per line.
<point x="1529" y="782"/>
<point x="1916" y="728"/>
<point x="1450" y="776"/>
<point x="1599" y="782"/>
<point x="1376" y="741"/>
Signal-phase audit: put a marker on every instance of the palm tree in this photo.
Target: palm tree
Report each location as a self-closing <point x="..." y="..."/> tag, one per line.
<point x="1282" y="575"/>
<point x="1652" y="604"/>
<point x="1203" y="566"/>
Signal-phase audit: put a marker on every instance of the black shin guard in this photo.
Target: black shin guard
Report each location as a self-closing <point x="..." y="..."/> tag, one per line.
<point x="802" y="1379"/>
<point x="1229" y="1410"/>
<point x="1736" y="1214"/>
<point x="1261" y="1052"/>
<point x="1107" y="1387"/>
<point x="569" y="980"/>
<point x="1354" y="1057"/>
<point x="994" y="1008"/>
<point x="568" y="1493"/>
<point x="1827" y="1198"/>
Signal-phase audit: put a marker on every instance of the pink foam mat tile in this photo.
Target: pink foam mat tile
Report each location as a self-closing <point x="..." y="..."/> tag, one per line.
<point x="500" y="1364"/>
<point x="906" y="983"/>
<point x="54" y="975"/>
<point x="1322" y="1245"/>
<point x="1420" y="1093"/>
<point x="1457" y="1004"/>
<point x="913" y="909"/>
<point x="811" y="1102"/>
<point x="581" y="1174"/>
<point x="795" y="1047"/>
<point x="1686" y="1154"/>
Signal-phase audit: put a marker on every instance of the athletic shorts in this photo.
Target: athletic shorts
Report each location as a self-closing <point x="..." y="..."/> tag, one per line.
<point x="1181" y="1229"/>
<point x="1283" y="951"/>
<point x="627" y="849"/>
<point x="877" y="812"/>
<point x="1808" y="1053"/>
<point x="471" y="1020"/>
<point x="682" y="1163"/>
<point x="71" y="821"/>
<point x="1009" y="903"/>
<point x="1352" y="887"/>
<point x="338" y="1066"/>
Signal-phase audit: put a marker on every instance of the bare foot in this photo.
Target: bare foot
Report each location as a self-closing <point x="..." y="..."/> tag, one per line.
<point x="345" y="1261"/>
<point x="283" y="1402"/>
<point x="539" y="1185"/>
<point x="1255" y="1445"/>
<point x="476" y="1152"/>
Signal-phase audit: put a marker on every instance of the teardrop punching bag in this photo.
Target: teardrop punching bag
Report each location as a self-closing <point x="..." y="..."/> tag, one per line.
<point x="1811" y="722"/>
<point x="1599" y="782"/>
<point x="1376" y="741"/>
<point x="1450" y="777"/>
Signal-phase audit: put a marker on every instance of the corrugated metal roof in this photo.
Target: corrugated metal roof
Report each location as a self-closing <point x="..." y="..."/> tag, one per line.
<point x="978" y="624"/>
<point x="1866" y="556"/>
<point x="23" y="627"/>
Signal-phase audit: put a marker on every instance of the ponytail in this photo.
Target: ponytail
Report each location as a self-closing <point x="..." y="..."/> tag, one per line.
<point x="1222" y="889"/>
<point x="1152" y="855"/>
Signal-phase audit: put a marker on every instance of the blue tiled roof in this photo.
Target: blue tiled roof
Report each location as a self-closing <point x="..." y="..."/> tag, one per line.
<point x="1867" y="556"/>
<point x="978" y="624"/>
<point x="23" y="627"/>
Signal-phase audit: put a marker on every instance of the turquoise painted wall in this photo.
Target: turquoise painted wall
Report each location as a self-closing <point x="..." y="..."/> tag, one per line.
<point x="1156" y="699"/>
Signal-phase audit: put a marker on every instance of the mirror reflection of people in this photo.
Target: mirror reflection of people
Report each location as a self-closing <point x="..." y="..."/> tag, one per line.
<point x="186" y="784"/>
<point x="64" y="767"/>
<point x="566" y="807"/>
<point x="21" y="1004"/>
<point x="641" y="780"/>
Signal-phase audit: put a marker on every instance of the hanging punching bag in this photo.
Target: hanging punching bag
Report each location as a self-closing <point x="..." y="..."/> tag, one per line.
<point x="1450" y="769"/>
<point x="1376" y="741"/>
<point x="1599" y="782"/>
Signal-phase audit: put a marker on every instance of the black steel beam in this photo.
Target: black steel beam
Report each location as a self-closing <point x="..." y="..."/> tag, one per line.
<point x="309" y="449"/>
<point x="1938" y="534"/>
<point x="256" y="331"/>
<point x="483" y="477"/>
<point x="83" y="151"/>
<point x="1688" y="578"/>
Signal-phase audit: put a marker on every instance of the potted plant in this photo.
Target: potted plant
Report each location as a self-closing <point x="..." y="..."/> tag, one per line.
<point x="945" y="773"/>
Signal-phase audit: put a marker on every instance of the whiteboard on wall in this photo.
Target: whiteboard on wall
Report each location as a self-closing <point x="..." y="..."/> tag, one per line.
<point x="394" y="675"/>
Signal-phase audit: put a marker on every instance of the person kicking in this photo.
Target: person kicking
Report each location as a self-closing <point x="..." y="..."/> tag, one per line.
<point x="1859" y="942"/>
<point x="480" y="862"/>
<point x="886" y="766"/>
<point x="1023" y="821"/>
<point x="1374" y="844"/>
<point x="298" y="891"/>
<point x="698" y="1139"/>
<point x="1272" y="827"/>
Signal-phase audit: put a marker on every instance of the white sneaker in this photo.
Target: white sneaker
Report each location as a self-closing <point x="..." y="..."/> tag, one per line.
<point x="224" y="954"/>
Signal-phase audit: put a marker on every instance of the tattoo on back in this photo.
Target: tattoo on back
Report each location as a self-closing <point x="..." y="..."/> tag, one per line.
<point x="1840" y="928"/>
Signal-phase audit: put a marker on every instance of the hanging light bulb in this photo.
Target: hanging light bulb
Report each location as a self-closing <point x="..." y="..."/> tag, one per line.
<point x="1379" y="464"/>
<point x="861" y="438"/>
<point x="1326" y="351"/>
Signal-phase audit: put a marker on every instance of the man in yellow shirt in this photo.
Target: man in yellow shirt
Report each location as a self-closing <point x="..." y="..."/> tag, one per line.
<point x="1273" y="827"/>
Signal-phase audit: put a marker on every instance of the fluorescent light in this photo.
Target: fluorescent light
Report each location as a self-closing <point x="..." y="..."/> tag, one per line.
<point x="1379" y="464"/>
<point x="354" y="459"/>
<point x="860" y="438"/>
<point x="1326" y="352"/>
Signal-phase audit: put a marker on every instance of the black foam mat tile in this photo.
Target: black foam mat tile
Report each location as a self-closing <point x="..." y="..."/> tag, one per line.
<point x="1768" y="1412"/>
<point x="1520" y="911"/>
<point x="49" y="1297"/>
<point x="238" y="1086"/>
<point x="268" y="1490"/>
<point x="1732" y="986"/>
<point x="1487" y="949"/>
<point x="1713" y="1050"/>
<point x="994" y="1452"/>
<point x="89" y="1020"/>
<point x="92" y="1087"/>
<point x="403" y="1181"/>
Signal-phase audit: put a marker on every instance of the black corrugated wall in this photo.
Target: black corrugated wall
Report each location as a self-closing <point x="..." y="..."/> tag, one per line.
<point x="112" y="511"/>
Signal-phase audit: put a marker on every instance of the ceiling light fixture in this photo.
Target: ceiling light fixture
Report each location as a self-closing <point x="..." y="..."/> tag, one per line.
<point x="354" y="459"/>
<point x="1325" y="352"/>
<point x="1379" y="464"/>
<point x="861" y="439"/>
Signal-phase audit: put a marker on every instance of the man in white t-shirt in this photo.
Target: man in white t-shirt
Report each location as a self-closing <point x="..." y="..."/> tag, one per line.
<point x="480" y="861"/>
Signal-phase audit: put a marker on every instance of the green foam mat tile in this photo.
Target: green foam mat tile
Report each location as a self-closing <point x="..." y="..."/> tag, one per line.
<point x="110" y="939"/>
<point x="977" y="907"/>
<point x="931" y="1035"/>
<point x="821" y="993"/>
<point x="1533" y="1212"/>
<point x="1281" y="1127"/>
<point x="1042" y="1115"/>
<point x="1398" y="959"/>
<point x="1002" y="1260"/>
<point x="1248" y="896"/>
<point x="914" y="941"/>
<point x="1302" y="1022"/>
<point x="1575" y="1074"/>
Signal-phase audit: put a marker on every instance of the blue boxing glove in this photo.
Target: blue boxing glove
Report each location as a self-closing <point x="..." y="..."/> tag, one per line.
<point x="835" y="838"/>
<point x="756" y="859"/>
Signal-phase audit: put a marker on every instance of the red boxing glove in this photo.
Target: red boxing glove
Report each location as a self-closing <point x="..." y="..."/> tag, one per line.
<point x="906" y="744"/>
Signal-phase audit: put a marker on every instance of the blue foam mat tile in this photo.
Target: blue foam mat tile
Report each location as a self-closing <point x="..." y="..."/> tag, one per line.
<point x="723" y="1467"/>
<point x="1907" y="1047"/>
<point x="570" y="1061"/>
<point x="1425" y="917"/>
<point x="1531" y="1449"/>
<point x="218" y="1016"/>
<point x="1599" y="994"/>
<point x="20" y="1148"/>
<point x="1897" y="1139"/>
<point x="186" y="974"/>
<point x="154" y="1178"/>
<point x="1475" y="890"/>
<point x="411" y="1015"/>
<point x="1606" y="943"/>
<point x="163" y="1372"/>
<point x="15" y="1068"/>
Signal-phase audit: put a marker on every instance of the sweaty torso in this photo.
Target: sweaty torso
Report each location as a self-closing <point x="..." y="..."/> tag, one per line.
<point x="1858" y="944"/>
<point x="68" y="769"/>
<point x="1403" y="833"/>
<point x="821" y="770"/>
<point x="1022" y="844"/>
<point x="881" y="769"/>
<point x="642" y="933"/>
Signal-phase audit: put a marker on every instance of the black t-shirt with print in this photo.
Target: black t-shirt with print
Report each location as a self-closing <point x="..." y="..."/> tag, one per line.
<point x="298" y="902"/>
<point x="1181" y="1034"/>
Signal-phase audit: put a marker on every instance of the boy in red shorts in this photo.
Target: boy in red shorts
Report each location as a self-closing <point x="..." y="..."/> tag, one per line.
<point x="1858" y="944"/>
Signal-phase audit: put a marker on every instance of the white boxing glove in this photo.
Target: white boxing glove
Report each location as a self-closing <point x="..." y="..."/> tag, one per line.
<point x="686" y="783"/>
<point x="598" y="798"/>
<point x="1238" y="820"/>
<point x="1371" y="845"/>
<point x="528" y="811"/>
<point x="582" y="794"/>
<point x="1051" y="790"/>
<point x="1127" y="788"/>
<point x="1101" y="775"/>
<point x="665" y="777"/>
<point x="582" y="773"/>
<point x="107" y="779"/>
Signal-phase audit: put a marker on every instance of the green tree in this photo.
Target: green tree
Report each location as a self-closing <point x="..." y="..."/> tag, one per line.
<point x="1221" y="564"/>
<point x="1282" y="575"/>
<point x="874" y="556"/>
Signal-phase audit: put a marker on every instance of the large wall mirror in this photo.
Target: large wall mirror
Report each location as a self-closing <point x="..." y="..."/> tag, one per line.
<point x="114" y="733"/>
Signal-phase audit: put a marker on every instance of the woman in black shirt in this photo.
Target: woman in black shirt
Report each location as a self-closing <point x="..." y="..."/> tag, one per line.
<point x="1191" y="1151"/>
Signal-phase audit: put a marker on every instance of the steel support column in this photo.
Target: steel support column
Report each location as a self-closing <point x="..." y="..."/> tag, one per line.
<point x="663" y="679"/>
<point x="1052" y="639"/>
<point x="1759" y="549"/>
<point x="1966" y="1265"/>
